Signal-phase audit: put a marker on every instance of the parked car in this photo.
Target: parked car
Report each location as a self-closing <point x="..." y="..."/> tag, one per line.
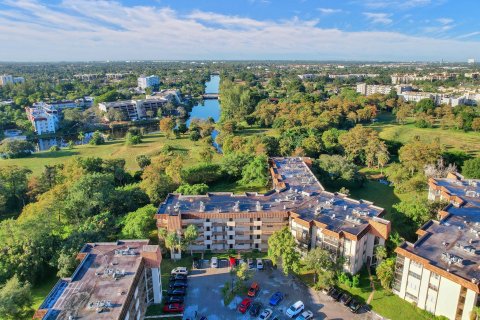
<point x="259" y="264"/>
<point x="336" y="294"/>
<point x="244" y="305"/>
<point x="175" y="277"/>
<point x="252" y="292"/>
<point x="177" y="292"/>
<point x="276" y="298"/>
<point x="250" y="263"/>
<point x="196" y="263"/>
<point x="180" y="270"/>
<point x="354" y="305"/>
<point x="255" y="309"/>
<point x="173" y="307"/>
<point x="266" y="314"/>
<point x="174" y="299"/>
<point x="345" y="298"/>
<point x="306" y="315"/>
<point x="178" y="284"/>
<point x="214" y="262"/>
<point x="295" y="309"/>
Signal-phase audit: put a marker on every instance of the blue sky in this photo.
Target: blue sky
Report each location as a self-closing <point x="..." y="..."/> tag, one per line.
<point x="36" y="30"/>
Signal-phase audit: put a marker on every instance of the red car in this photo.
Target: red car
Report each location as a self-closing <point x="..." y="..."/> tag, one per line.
<point x="173" y="307"/>
<point x="243" y="307"/>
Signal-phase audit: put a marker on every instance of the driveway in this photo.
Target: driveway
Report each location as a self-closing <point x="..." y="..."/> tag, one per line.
<point x="204" y="296"/>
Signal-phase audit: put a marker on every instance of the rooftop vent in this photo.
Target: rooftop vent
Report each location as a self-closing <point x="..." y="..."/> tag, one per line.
<point x="202" y="206"/>
<point x="258" y="206"/>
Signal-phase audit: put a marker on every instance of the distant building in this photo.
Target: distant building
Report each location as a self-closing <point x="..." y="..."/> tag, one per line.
<point x="357" y="76"/>
<point x="145" y="82"/>
<point x="367" y="89"/>
<point x="114" y="281"/>
<point x="472" y="75"/>
<point x="167" y="94"/>
<point x="437" y="98"/>
<point x="409" y="78"/>
<point x="135" y="109"/>
<point x="308" y="76"/>
<point x="471" y="61"/>
<point x="45" y="117"/>
<point x="440" y="272"/>
<point x="7" y="78"/>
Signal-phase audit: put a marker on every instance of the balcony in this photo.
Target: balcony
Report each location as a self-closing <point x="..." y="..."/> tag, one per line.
<point x="257" y="241"/>
<point x="207" y="224"/>
<point x="230" y="232"/>
<point x="255" y="232"/>
<point x="207" y="233"/>
<point x="230" y="223"/>
<point x="257" y="223"/>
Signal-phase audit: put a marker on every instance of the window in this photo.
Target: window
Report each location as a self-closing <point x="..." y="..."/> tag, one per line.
<point x="230" y="246"/>
<point x="230" y="219"/>
<point x="251" y="237"/>
<point x="230" y="237"/>
<point x="258" y="227"/>
<point x="208" y="220"/>
<point x="230" y="228"/>
<point x="256" y="245"/>
<point x="258" y="236"/>
<point x="258" y="219"/>
<point x="208" y="228"/>
<point x="208" y="247"/>
<point x="208" y="237"/>
<point x="413" y="274"/>
<point x="251" y="219"/>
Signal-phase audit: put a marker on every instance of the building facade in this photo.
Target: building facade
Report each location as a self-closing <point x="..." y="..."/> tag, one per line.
<point x="45" y="117"/>
<point x="114" y="280"/>
<point x="145" y="82"/>
<point x="8" y="78"/>
<point x="440" y="272"/>
<point x="317" y="218"/>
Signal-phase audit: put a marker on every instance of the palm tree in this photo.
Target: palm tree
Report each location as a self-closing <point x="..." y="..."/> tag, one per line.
<point x="174" y="243"/>
<point x="81" y="136"/>
<point x="189" y="237"/>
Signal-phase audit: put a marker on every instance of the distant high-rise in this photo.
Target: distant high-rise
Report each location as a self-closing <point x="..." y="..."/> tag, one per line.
<point x="471" y="61"/>
<point x="145" y="82"/>
<point x="8" y="78"/>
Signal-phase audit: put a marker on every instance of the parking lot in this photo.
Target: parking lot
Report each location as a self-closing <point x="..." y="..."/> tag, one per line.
<point x="204" y="297"/>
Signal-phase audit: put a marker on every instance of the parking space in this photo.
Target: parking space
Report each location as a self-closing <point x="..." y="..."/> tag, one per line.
<point x="204" y="296"/>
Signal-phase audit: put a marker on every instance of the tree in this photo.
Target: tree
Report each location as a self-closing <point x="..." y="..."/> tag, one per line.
<point x="189" y="236"/>
<point x="471" y="168"/>
<point x="167" y="125"/>
<point x="201" y="173"/>
<point x="256" y="172"/>
<point x="66" y="263"/>
<point x="143" y="161"/>
<point x="16" y="148"/>
<point x="321" y="263"/>
<point x="419" y="209"/>
<point x="243" y="273"/>
<point x="380" y="253"/>
<point x="132" y="139"/>
<point x="194" y="135"/>
<point x="15" y="299"/>
<point x="81" y="136"/>
<point x="282" y="247"/>
<point x="195" y="189"/>
<point x="335" y="167"/>
<point x="476" y="124"/>
<point x="417" y="154"/>
<point x="174" y="243"/>
<point x="13" y="186"/>
<point x="97" y="139"/>
<point x="206" y="153"/>
<point x="386" y="272"/>
<point x="140" y="223"/>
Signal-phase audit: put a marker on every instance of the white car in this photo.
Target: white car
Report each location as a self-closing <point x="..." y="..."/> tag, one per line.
<point x="306" y="315"/>
<point x="295" y="309"/>
<point x="266" y="314"/>
<point x="214" y="262"/>
<point x="180" y="270"/>
<point x="259" y="264"/>
<point x="250" y="263"/>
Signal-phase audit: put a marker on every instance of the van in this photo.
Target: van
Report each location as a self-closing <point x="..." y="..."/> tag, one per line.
<point x="214" y="262"/>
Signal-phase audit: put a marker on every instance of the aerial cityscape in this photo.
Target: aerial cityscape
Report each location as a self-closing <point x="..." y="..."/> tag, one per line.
<point x="246" y="159"/>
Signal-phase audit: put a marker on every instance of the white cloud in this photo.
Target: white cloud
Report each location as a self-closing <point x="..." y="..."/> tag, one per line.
<point x="395" y="4"/>
<point x="329" y="10"/>
<point x="377" y="17"/>
<point x="445" y="21"/>
<point x="109" y="30"/>
<point x="468" y="35"/>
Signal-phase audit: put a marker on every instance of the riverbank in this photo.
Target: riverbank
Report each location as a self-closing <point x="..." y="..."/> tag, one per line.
<point x="151" y="145"/>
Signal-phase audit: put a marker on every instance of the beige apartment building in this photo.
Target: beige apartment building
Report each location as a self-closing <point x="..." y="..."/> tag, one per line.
<point x="317" y="218"/>
<point x="440" y="272"/>
<point x="114" y="280"/>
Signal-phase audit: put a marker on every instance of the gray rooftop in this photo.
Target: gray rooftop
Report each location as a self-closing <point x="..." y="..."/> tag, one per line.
<point x="102" y="279"/>
<point x="453" y="243"/>
<point x="303" y="195"/>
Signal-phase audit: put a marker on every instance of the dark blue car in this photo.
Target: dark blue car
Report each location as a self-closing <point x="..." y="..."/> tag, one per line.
<point x="276" y="298"/>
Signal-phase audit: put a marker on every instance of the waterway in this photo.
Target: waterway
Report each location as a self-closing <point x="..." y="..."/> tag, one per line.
<point x="207" y="109"/>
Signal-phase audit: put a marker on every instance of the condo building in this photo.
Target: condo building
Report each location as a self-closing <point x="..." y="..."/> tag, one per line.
<point x="114" y="280"/>
<point x="440" y="272"/>
<point x="317" y="218"/>
<point x="145" y="82"/>
<point x="9" y="79"/>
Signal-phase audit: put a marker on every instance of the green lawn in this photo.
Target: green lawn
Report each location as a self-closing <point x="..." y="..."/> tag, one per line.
<point x="468" y="142"/>
<point x="152" y="145"/>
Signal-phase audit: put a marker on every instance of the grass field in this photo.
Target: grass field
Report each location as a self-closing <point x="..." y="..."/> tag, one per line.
<point x="42" y="289"/>
<point x="152" y="144"/>
<point x="468" y="142"/>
